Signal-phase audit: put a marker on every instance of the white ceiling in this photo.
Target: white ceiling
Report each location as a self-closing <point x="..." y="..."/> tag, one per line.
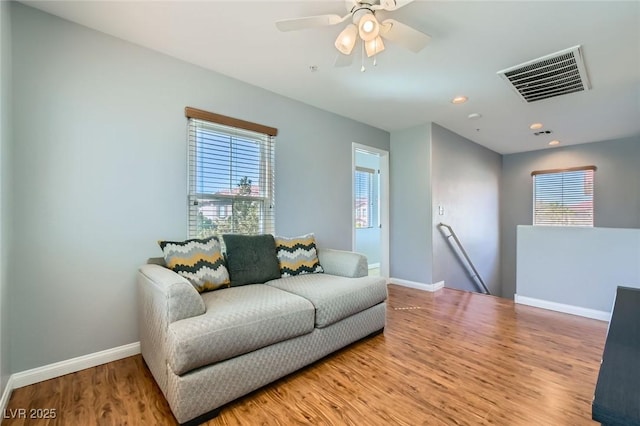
<point x="471" y="41"/>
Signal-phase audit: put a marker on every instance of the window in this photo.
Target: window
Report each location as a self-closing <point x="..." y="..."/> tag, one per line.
<point x="231" y="175"/>
<point x="364" y="197"/>
<point x="563" y="197"/>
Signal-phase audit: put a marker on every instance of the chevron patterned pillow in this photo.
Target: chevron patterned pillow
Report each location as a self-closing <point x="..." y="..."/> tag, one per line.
<point x="198" y="260"/>
<point x="298" y="255"/>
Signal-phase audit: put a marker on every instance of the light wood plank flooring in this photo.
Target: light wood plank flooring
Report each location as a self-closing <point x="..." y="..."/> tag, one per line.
<point x="445" y="358"/>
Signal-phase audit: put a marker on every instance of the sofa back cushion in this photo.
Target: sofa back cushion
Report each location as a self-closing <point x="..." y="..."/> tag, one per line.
<point x="198" y="260"/>
<point x="298" y="255"/>
<point x="251" y="259"/>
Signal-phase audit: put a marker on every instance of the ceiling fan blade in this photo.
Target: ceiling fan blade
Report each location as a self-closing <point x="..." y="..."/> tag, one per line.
<point x="392" y="4"/>
<point x="310" y="22"/>
<point x="343" y="60"/>
<point x="404" y="35"/>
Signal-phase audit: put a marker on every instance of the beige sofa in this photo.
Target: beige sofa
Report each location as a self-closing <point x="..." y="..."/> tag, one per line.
<point x="205" y="350"/>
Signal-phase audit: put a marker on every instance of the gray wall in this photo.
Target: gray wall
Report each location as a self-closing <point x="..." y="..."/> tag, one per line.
<point x="100" y="175"/>
<point x="411" y="231"/>
<point x="466" y="184"/>
<point x="5" y="184"/>
<point x="580" y="267"/>
<point x="616" y="190"/>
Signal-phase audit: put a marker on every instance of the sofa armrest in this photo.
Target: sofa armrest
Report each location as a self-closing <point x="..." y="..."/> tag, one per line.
<point x="181" y="299"/>
<point x="163" y="297"/>
<point x="343" y="263"/>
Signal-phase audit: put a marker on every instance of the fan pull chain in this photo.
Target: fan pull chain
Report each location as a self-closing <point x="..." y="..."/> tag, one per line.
<point x="375" y="52"/>
<point x="363" y="69"/>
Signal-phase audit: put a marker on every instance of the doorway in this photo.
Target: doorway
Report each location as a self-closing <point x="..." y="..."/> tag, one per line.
<point x="370" y="188"/>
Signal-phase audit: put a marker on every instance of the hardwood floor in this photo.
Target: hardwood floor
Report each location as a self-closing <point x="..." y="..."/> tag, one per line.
<point x="445" y="358"/>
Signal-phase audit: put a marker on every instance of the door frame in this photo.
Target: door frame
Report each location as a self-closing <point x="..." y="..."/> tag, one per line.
<point x="384" y="202"/>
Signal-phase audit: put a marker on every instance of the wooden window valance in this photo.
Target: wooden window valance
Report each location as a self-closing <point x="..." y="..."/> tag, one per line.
<point x="229" y="121"/>
<point x="569" y="169"/>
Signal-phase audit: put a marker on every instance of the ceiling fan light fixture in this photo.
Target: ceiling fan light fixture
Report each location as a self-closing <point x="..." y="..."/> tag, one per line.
<point x="368" y="27"/>
<point x="373" y="47"/>
<point x="363" y="26"/>
<point x="347" y="39"/>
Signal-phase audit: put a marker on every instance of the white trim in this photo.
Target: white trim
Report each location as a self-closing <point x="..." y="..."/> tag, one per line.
<point x="561" y="307"/>
<point x="417" y="285"/>
<point x="6" y="394"/>
<point x="57" y="369"/>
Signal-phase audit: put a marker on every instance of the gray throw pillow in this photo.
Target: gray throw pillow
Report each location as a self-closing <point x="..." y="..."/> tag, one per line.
<point x="251" y="259"/>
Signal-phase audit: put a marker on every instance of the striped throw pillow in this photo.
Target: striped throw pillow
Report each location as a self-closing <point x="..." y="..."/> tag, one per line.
<point x="298" y="255"/>
<point x="198" y="260"/>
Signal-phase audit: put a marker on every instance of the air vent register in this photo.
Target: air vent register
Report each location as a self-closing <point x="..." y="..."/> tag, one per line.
<point x="552" y="75"/>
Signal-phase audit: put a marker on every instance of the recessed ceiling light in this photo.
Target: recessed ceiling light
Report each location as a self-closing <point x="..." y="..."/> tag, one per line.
<point x="459" y="100"/>
<point x="536" y="126"/>
<point x="474" y="116"/>
<point x="554" y="142"/>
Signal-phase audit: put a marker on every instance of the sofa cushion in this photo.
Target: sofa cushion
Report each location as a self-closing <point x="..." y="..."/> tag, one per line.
<point x="238" y="320"/>
<point x="199" y="261"/>
<point x="335" y="298"/>
<point x="251" y="259"/>
<point x="297" y="255"/>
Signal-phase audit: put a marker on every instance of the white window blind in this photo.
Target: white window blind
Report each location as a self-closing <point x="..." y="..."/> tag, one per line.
<point x="563" y="197"/>
<point x="231" y="179"/>
<point x="364" y="197"/>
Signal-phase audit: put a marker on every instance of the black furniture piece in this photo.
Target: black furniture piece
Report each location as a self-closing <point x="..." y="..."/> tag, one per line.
<point x="617" y="396"/>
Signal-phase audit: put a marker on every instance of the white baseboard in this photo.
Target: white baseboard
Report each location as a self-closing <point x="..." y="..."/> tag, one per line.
<point x="46" y="372"/>
<point x="560" y="307"/>
<point x="6" y="394"/>
<point x="417" y="285"/>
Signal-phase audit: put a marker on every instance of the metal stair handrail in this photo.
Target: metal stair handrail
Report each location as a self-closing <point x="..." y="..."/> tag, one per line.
<point x="476" y="274"/>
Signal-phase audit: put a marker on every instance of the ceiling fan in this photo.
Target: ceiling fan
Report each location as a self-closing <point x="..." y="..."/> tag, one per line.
<point x="364" y="26"/>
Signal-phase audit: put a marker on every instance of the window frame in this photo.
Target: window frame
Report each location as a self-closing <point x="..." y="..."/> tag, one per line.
<point x="564" y="194"/>
<point x="372" y="188"/>
<point x="236" y="130"/>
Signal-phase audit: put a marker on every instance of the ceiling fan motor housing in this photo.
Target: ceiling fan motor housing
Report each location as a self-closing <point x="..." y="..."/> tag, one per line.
<point x="360" y="11"/>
